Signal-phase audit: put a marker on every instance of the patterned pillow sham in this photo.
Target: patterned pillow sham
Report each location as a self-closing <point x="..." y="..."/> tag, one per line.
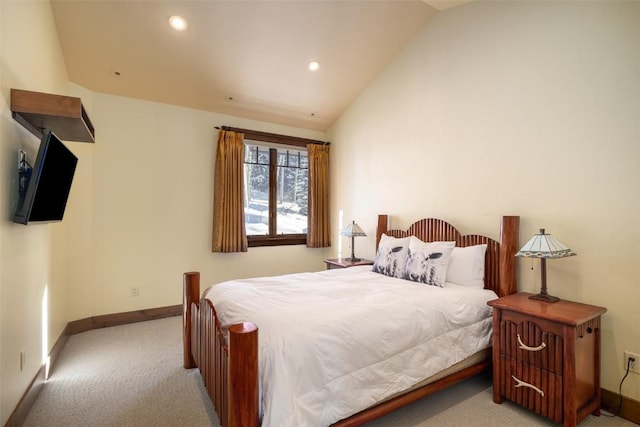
<point x="427" y="262"/>
<point x="391" y="256"/>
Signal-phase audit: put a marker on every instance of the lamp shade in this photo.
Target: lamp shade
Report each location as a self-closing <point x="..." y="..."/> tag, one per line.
<point x="544" y="246"/>
<point x="353" y="230"/>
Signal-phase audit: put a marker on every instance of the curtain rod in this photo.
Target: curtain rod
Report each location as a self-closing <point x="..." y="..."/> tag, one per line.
<point x="273" y="137"/>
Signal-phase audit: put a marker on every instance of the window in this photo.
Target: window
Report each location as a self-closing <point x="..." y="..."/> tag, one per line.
<point x="276" y="192"/>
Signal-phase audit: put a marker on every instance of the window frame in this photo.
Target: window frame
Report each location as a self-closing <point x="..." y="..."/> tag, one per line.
<point x="256" y="136"/>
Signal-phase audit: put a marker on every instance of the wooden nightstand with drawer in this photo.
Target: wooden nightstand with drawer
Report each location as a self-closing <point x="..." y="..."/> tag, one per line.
<point x="546" y="356"/>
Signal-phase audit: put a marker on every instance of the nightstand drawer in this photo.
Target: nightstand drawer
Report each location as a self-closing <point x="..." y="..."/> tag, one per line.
<point x="528" y="342"/>
<point x="532" y="388"/>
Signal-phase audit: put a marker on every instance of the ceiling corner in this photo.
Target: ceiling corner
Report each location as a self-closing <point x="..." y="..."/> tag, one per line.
<point x="445" y="4"/>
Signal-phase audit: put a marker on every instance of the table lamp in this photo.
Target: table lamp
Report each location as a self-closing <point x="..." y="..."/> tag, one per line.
<point x="544" y="246"/>
<point x="353" y="230"/>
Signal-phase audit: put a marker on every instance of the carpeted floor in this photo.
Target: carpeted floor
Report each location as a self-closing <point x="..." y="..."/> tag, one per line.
<point x="132" y="375"/>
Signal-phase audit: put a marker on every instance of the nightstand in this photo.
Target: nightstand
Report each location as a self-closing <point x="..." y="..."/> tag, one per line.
<point x="546" y="356"/>
<point x="343" y="263"/>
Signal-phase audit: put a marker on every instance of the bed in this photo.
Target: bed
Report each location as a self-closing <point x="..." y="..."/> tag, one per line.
<point x="306" y="375"/>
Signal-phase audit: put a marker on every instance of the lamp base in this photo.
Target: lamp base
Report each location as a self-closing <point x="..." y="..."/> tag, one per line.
<point x="353" y="259"/>
<point x="544" y="297"/>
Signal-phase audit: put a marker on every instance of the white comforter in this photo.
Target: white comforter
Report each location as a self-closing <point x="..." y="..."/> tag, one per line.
<point x="335" y="342"/>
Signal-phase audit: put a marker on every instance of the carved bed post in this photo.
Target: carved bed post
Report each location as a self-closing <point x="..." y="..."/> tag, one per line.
<point x="191" y="295"/>
<point x="243" y="375"/>
<point x="509" y="245"/>
<point x="383" y="224"/>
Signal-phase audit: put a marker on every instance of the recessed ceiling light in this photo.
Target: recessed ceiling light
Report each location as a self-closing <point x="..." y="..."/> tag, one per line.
<point x="314" y="65"/>
<point x="177" y="23"/>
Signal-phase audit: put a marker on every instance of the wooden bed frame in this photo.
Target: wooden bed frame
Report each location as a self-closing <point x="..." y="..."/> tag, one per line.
<point x="229" y="366"/>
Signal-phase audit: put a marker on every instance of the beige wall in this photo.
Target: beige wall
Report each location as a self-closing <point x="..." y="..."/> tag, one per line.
<point x="517" y="108"/>
<point x="149" y="216"/>
<point x="31" y="59"/>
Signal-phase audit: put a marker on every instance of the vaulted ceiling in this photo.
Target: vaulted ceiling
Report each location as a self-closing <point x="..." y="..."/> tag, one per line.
<point x="242" y="58"/>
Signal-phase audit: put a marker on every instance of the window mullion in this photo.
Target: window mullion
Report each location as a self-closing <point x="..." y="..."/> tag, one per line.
<point x="273" y="177"/>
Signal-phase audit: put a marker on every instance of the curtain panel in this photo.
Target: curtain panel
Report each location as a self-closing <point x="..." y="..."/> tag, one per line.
<point x="229" y="234"/>
<point x="318" y="231"/>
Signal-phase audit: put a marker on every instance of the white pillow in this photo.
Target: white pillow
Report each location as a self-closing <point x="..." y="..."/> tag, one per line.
<point x="427" y="262"/>
<point x="466" y="266"/>
<point x="391" y="256"/>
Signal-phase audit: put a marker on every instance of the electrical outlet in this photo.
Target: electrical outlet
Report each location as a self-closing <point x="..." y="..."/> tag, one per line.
<point x="134" y="291"/>
<point x="23" y="359"/>
<point x="634" y="366"/>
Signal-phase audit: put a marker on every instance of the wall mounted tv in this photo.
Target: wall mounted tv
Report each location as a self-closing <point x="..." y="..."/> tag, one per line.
<point x="48" y="188"/>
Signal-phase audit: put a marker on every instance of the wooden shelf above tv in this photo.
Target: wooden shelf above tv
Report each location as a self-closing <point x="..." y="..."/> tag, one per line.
<point x="63" y="115"/>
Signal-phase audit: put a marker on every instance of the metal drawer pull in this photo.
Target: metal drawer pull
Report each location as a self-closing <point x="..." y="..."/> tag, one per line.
<point x="524" y="384"/>
<point x="526" y="347"/>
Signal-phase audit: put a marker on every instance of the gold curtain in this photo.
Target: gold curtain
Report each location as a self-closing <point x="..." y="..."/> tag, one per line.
<point x="318" y="232"/>
<point x="229" y="234"/>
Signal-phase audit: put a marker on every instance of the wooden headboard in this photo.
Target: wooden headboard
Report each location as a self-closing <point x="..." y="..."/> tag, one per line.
<point x="500" y="260"/>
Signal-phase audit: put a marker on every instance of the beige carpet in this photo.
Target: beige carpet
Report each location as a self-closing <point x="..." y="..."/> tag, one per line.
<point x="132" y="375"/>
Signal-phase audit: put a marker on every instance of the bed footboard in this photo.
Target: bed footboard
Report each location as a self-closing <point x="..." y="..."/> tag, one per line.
<point x="230" y="377"/>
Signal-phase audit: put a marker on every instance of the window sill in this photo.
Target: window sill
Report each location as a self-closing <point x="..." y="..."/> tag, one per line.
<point x="291" y="239"/>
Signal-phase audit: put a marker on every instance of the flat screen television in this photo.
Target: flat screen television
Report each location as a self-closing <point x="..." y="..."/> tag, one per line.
<point x="45" y="198"/>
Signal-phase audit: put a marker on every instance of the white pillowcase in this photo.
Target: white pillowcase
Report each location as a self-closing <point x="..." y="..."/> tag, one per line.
<point x="466" y="266"/>
<point x="427" y="262"/>
<point x="391" y="256"/>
